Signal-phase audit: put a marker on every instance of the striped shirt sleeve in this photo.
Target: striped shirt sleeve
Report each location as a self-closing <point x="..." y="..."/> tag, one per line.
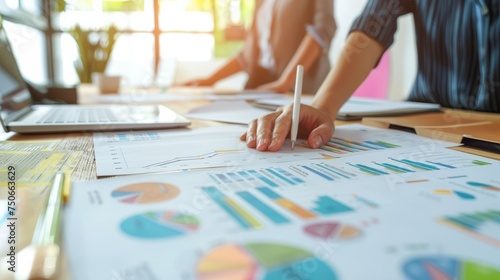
<point x="379" y="19"/>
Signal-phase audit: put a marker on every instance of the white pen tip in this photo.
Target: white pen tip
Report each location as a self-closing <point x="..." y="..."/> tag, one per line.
<point x="293" y="145"/>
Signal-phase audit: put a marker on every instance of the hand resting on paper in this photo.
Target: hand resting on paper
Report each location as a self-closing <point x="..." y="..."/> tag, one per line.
<point x="268" y="132"/>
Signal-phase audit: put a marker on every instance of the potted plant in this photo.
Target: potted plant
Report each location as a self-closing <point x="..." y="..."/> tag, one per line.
<point x="94" y="49"/>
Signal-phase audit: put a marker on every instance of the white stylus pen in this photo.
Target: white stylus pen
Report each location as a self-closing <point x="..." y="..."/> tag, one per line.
<point x="296" y="104"/>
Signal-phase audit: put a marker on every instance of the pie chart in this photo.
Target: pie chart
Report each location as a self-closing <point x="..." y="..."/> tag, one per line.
<point x="447" y="268"/>
<point x="332" y="230"/>
<point x="165" y="224"/>
<point x="142" y="193"/>
<point x="263" y="261"/>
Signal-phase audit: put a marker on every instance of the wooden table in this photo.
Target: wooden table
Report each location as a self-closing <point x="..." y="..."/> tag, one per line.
<point x="33" y="197"/>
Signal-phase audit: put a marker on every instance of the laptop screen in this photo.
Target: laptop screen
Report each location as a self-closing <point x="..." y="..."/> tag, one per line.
<point x="14" y="94"/>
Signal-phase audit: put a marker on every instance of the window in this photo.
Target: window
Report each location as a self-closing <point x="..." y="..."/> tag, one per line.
<point x="153" y="34"/>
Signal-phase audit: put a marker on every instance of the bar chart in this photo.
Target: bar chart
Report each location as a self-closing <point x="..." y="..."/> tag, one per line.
<point x="484" y="226"/>
<point x="268" y="177"/>
<point x="253" y="209"/>
<point x="407" y="162"/>
<point x="232" y="208"/>
<point x="485" y="186"/>
<point x="287" y="204"/>
<point x="313" y="205"/>
<point x="340" y="145"/>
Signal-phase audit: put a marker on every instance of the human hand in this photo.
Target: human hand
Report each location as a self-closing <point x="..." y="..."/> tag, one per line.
<point x="268" y="133"/>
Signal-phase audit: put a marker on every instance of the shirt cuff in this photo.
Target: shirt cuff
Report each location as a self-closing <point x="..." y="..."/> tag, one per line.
<point x="311" y="30"/>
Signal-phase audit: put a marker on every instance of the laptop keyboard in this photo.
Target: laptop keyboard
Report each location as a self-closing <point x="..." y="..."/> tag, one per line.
<point x="82" y="115"/>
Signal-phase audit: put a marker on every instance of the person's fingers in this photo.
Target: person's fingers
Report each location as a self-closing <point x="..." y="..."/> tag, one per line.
<point x="265" y="127"/>
<point x="250" y="135"/>
<point x="268" y="133"/>
<point x="320" y="135"/>
<point x="281" y="129"/>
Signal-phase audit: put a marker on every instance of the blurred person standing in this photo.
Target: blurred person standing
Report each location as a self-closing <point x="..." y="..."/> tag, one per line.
<point x="284" y="33"/>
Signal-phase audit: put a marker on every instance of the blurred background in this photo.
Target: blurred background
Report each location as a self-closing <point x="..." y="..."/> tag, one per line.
<point x="162" y="42"/>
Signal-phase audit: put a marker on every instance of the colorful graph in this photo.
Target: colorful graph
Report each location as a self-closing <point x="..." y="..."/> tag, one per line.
<point x="399" y="166"/>
<point x="326" y="205"/>
<point x="192" y="158"/>
<point x="271" y="177"/>
<point x="485" y="186"/>
<point x="266" y="261"/>
<point x="447" y="268"/>
<point x="232" y="208"/>
<point x="462" y="195"/>
<point x="287" y="204"/>
<point x="484" y="226"/>
<point x="263" y="208"/>
<point x="332" y="230"/>
<point x="136" y="136"/>
<point x="280" y="177"/>
<point x="323" y="205"/>
<point x="141" y="193"/>
<point x="328" y="170"/>
<point x="166" y="224"/>
<point x="342" y="146"/>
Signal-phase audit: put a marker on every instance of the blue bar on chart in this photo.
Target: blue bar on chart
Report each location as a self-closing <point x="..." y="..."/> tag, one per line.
<point x="238" y="179"/>
<point x="341" y="145"/>
<point x="326" y="205"/>
<point x="268" y="177"/>
<point x="353" y="145"/>
<point x="263" y="178"/>
<point x="368" y="170"/>
<point x="221" y="178"/>
<point x="481" y="225"/>
<point x="269" y="212"/>
<point x="394" y="168"/>
<point x="250" y="179"/>
<point x="287" y="204"/>
<point x="289" y="175"/>
<point x="364" y="201"/>
<point x="336" y="171"/>
<point x="382" y="144"/>
<point x="319" y="173"/>
<point x="284" y="178"/>
<point x="416" y="164"/>
<point x="333" y="146"/>
<point x="240" y="215"/>
<point x="441" y="164"/>
<point x="126" y="137"/>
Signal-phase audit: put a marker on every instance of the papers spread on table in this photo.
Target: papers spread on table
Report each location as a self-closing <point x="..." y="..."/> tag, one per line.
<point x="236" y="112"/>
<point x="357" y="108"/>
<point x="123" y="153"/>
<point x="155" y="97"/>
<point x="35" y="162"/>
<point x="375" y="204"/>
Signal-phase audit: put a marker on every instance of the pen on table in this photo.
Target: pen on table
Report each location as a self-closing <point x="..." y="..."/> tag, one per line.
<point x="44" y="248"/>
<point x="296" y="104"/>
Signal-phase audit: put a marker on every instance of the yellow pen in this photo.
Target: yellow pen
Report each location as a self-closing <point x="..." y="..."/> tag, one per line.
<point x="40" y="259"/>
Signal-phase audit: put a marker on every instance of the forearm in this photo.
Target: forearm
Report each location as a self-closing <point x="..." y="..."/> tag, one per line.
<point x="356" y="60"/>
<point x="308" y="52"/>
<point x="232" y="66"/>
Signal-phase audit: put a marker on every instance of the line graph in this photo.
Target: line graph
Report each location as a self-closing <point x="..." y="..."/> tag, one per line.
<point x="192" y="158"/>
<point x="178" y="150"/>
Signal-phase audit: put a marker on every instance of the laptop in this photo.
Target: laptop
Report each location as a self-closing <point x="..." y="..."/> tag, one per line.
<point x="19" y="114"/>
